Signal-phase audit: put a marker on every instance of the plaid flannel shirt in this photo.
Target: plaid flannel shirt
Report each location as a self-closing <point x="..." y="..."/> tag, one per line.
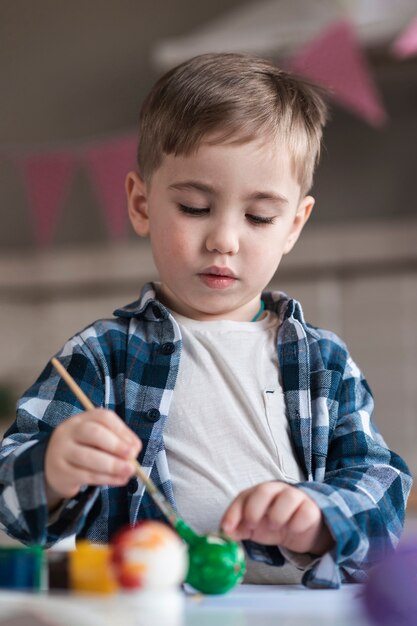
<point x="130" y="363"/>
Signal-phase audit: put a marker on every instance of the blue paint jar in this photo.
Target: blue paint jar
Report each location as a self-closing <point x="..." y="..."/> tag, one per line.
<point x="21" y="567"/>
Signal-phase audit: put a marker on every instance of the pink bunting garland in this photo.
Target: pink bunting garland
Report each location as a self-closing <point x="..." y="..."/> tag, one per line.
<point x="47" y="179"/>
<point x="406" y="44"/>
<point x="108" y="164"/>
<point x="335" y="60"/>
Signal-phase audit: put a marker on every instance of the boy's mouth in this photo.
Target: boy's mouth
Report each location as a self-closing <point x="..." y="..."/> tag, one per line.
<point x="217" y="277"/>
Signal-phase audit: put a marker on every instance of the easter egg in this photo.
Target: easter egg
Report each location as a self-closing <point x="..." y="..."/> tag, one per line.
<point x="390" y="594"/>
<point x="216" y="564"/>
<point x="148" y="555"/>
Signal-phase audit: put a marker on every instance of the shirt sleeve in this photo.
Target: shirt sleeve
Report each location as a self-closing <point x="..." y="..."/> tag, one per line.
<point x="23" y="505"/>
<point x="362" y="496"/>
<point x="364" y="492"/>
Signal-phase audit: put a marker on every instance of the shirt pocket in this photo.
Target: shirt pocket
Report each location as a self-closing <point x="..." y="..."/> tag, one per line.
<point x="279" y="430"/>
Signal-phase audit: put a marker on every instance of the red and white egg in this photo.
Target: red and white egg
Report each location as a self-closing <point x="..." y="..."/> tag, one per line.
<point x="149" y="555"/>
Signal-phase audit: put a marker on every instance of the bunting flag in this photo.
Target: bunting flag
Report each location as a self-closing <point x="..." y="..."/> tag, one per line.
<point x="406" y="44"/>
<point x="336" y="61"/>
<point x="47" y="178"/>
<point x="108" y="163"/>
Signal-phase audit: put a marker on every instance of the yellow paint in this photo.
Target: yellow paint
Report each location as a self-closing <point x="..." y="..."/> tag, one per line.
<point x="90" y="569"/>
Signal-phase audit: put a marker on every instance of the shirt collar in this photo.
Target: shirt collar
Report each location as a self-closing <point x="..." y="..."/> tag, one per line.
<point x="286" y="308"/>
<point x="148" y="307"/>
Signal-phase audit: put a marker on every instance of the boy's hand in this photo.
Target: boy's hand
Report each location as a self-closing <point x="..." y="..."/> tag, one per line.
<point x="275" y="513"/>
<point x="91" y="448"/>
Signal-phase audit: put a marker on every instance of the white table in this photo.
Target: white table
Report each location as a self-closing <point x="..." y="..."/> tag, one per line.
<point x="247" y="605"/>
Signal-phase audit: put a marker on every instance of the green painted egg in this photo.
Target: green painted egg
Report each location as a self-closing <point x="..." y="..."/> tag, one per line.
<point x="216" y="564"/>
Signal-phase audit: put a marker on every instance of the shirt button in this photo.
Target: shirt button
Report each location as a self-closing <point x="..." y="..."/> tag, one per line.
<point x="153" y="415"/>
<point x="132" y="485"/>
<point x="168" y="348"/>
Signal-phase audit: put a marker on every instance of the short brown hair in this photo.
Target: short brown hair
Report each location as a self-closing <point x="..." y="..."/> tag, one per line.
<point x="236" y="98"/>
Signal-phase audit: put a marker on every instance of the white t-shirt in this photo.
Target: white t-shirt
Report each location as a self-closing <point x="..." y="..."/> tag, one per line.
<point x="227" y="428"/>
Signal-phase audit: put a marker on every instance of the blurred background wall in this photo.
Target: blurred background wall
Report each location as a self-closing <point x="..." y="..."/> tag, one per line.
<point x="74" y="73"/>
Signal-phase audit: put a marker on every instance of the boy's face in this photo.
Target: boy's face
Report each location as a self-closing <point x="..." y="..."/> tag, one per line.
<point x="219" y="222"/>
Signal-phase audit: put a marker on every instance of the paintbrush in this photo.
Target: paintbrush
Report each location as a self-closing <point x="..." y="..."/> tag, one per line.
<point x="185" y="531"/>
<point x="216" y="562"/>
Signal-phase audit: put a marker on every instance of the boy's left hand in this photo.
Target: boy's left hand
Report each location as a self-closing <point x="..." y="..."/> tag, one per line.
<point x="275" y="513"/>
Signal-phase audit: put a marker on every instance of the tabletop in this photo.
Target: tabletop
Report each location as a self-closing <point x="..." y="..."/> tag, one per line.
<point x="254" y="605"/>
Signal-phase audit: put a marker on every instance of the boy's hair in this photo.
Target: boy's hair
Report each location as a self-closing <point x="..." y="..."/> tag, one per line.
<point x="231" y="97"/>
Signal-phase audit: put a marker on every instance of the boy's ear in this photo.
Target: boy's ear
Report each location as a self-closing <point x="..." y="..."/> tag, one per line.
<point x="303" y="213"/>
<point x="137" y="203"/>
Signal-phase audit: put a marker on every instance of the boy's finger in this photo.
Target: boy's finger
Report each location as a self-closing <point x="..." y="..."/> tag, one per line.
<point x="233" y="514"/>
<point x="94" y="434"/>
<point x="283" y="507"/>
<point x="243" y="513"/>
<point x="85" y="477"/>
<point x="306" y="518"/>
<point x="88" y="459"/>
<point x="258" y="502"/>
<point x="113" y="422"/>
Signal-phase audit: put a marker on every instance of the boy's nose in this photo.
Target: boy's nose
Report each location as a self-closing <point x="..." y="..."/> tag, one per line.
<point x="223" y="239"/>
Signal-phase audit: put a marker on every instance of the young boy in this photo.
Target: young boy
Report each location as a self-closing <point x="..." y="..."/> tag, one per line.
<point x="246" y="417"/>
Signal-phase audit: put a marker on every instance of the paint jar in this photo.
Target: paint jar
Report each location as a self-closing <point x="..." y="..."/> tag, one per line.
<point x="21" y="567"/>
<point x="86" y="569"/>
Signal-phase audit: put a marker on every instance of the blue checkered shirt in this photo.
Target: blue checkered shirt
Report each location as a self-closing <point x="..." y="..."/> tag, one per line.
<point x="130" y="364"/>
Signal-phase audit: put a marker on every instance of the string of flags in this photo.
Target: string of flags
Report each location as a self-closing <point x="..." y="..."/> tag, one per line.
<point x="47" y="177"/>
<point x="334" y="59"/>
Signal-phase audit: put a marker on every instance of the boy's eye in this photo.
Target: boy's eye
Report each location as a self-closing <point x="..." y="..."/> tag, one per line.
<point x="257" y="219"/>
<point x="190" y="210"/>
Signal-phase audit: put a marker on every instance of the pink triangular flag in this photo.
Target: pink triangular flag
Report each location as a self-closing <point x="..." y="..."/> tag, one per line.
<point x="336" y="61"/>
<point x="406" y="44"/>
<point x="108" y="164"/>
<point x="47" y="178"/>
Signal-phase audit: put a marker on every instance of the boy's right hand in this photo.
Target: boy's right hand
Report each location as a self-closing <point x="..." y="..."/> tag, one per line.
<point x="91" y="448"/>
